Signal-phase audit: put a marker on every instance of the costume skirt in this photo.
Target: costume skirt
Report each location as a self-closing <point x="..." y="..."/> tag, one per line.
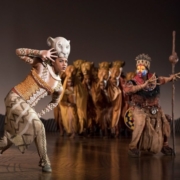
<point x="22" y="123"/>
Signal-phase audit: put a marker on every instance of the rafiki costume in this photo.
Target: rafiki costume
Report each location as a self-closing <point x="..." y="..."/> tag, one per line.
<point x="151" y="128"/>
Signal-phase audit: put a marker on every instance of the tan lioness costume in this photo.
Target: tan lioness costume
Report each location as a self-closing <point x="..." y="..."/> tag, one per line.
<point x="87" y="69"/>
<point x="73" y="103"/>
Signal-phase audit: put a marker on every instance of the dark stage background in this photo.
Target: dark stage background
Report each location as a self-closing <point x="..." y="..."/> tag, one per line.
<point x="99" y="30"/>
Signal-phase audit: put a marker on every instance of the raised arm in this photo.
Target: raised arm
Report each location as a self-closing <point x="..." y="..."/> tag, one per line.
<point x="28" y="55"/>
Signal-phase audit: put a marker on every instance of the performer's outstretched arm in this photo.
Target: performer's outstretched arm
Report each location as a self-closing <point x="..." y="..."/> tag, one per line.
<point x="164" y="80"/>
<point x="33" y="56"/>
<point x="28" y="55"/>
<point x="52" y="104"/>
<point x="130" y="88"/>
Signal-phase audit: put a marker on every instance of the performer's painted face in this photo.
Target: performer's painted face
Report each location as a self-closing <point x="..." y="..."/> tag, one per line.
<point x="60" y="65"/>
<point x="141" y="71"/>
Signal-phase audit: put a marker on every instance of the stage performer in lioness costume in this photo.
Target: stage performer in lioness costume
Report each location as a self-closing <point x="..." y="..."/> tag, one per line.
<point x="22" y="122"/>
<point x="73" y="104"/>
<point x="151" y="128"/>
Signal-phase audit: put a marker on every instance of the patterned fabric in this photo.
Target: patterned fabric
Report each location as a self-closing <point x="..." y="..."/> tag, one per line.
<point x="27" y="88"/>
<point x="22" y="125"/>
<point x="128" y="119"/>
<point x="28" y="55"/>
<point x="21" y="121"/>
<point x="143" y="59"/>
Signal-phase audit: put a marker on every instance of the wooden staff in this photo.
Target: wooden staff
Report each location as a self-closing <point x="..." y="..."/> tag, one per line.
<point x="173" y="59"/>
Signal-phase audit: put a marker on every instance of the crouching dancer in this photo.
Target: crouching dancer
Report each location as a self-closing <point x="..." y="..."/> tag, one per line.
<point x="151" y="127"/>
<point x="22" y="123"/>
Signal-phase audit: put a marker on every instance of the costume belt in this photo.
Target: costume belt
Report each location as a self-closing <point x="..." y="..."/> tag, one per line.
<point x="152" y="108"/>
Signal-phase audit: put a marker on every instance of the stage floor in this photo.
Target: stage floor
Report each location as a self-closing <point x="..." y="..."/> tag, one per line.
<point x="89" y="159"/>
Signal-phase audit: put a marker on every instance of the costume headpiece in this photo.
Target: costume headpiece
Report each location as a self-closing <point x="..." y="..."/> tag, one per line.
<point x="143" y="59"/>
<point x="61" y="45"/>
